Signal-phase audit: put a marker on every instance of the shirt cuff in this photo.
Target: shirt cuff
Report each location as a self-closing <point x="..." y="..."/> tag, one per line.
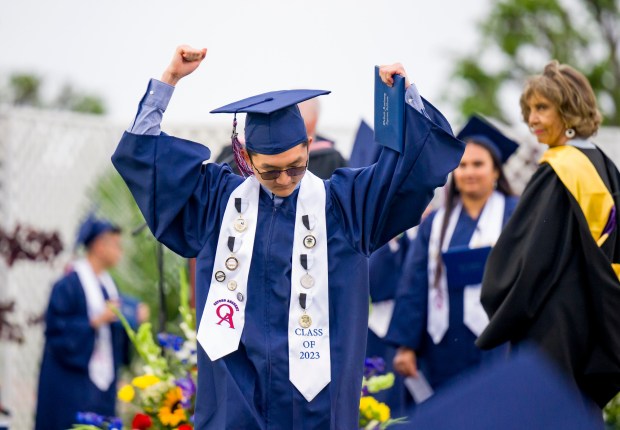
<point x="158" y="94"/>
<point x="413" y="99"/>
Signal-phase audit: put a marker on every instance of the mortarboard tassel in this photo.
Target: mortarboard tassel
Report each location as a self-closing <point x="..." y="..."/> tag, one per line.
<point x="236" y="145"/>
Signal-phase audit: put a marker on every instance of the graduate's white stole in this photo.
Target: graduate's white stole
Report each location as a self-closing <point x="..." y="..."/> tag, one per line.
<point x="101" y="363"/>
<point x="487" y="232"/>
<point x="223" y="317"/>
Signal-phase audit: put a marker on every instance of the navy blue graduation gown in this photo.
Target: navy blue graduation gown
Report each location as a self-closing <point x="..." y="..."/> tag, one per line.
<point x="385" y="269"/>
<point x="456" y="352"/>
<point x="184" y="201"/>
<point x="64" y="385"/>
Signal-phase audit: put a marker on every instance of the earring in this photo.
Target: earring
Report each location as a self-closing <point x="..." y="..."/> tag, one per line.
<point x="570" y="133"/>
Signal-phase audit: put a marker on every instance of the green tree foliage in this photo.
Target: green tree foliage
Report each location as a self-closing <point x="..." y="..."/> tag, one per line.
<point x="519" y="37"/>
<point x="70" y="99"/>
<point x="24" y="89"/>
<point x="137" y="274"/>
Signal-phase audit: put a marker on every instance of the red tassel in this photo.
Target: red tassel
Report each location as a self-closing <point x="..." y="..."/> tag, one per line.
<point x="243" y="166"/>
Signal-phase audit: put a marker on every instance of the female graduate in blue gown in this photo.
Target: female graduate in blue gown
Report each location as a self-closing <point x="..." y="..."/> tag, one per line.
<point x="434" y="332"/>
<point x="72" y="379"/>
<point x="184" y="201"/>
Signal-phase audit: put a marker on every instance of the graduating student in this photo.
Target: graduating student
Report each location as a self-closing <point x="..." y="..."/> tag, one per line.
<point x="438" y="314"/>
<point x="552" y="278"/>
<point x="83" y="342"/>
<point x="282" y="270"/>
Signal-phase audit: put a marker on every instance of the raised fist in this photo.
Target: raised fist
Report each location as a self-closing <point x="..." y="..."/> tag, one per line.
<point x="184" y="61"/>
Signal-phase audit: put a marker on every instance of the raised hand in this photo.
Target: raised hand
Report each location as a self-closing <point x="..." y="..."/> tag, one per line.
<point x="387" y="72"/>
<point x="184" y="61"/>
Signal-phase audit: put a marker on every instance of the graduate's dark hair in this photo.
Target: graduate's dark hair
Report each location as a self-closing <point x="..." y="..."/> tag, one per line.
<point x="453" y="195"/>
<point x="571" y="93"/>
<point x="114" y="230"/>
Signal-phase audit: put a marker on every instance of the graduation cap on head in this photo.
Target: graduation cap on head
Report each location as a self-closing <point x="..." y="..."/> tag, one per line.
<point x="525" y="392"/>
<point x="365" y="150"/>
<point x="92" y="228"/>
<point x="273" y="123"/>
<point x="481" y="131"/>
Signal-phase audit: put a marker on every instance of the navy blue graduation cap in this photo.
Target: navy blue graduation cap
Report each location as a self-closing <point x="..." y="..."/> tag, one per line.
<point x="91" y="228"/>
<point x="465" y="265"/>
<point x="524" y="392"/>
<point x="273" y="123"/>
<point x="365" y="150"/>
<point x="481" y="131"/>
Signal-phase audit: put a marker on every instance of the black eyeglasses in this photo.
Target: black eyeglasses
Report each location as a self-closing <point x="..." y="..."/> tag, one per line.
<point x="275" y="174"/>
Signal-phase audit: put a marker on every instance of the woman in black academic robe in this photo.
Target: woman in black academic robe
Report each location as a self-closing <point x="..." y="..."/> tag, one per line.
<point x="551" y="279"/>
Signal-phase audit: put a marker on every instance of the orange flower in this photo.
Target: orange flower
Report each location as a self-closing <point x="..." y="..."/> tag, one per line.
<point x="172" y="413"/>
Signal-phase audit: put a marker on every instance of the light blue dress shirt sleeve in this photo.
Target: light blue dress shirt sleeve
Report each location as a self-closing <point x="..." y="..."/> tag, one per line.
<point x="413" y="99"/>
<point x="151" y="108"/>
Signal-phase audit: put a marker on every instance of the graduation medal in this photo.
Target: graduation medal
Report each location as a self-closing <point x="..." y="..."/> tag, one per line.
<point x="220" y="276"/>
<point x="231" y="263"/>
<point x="240" y="224"/>
<point x="304" y="321"/>
<point x="233" y="245"/>
<point x="306" y="281"/>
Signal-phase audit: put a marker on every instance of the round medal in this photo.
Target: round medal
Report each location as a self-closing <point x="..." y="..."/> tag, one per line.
<point x="232" y="285"/>
<point x="240" y="297"/>
<point x="220" y="276"/>
<point x="240" y="225"/>
<point x="231" y="263"/>
<point x="305" y="321"/>
<point x="309" y="241"/>
<point x="307" y="281"/>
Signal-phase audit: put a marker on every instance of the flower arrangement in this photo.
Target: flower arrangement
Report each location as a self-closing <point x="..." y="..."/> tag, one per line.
<point x="375" y="415"/>
<point x="162" y="395"/>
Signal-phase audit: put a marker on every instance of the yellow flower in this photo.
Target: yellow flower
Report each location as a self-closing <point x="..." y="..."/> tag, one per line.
<point x="367" y="406"/>
<point x="383" y="411"/>
<point x="171" y="414"/>
<point x="371" y="409"/>
<point x="144" y="381"/>
<point x="126" y="394"/>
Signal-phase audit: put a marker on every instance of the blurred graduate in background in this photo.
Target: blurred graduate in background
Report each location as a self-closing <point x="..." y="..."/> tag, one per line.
<point x="438" y="314"/>
<point x="84" y="342"/>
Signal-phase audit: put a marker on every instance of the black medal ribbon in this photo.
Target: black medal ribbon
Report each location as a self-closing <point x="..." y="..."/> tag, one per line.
<point x="238" y="204"/>
<point x="231" y="243"/>
<point x="303" y="258"/>
<point x="306" y="220"/>
<point x="302" y="300"/>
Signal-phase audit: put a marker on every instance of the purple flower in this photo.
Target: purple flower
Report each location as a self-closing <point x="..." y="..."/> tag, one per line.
<point x="188" y="388"/>
<point x="115" y="423"/>
<point x="89" y="418"/>
<point x="170" y="341"/>
<point x="373" y="366"/>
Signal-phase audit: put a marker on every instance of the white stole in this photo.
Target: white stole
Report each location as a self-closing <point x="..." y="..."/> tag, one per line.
<point x="487" y="232"/>
<point x="101" y="363"/>
<point x="223" y="317"/>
